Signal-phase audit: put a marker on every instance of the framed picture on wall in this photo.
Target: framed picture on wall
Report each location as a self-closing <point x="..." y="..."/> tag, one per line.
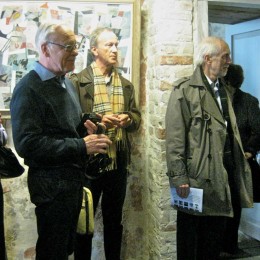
<point x="19" y="21"/>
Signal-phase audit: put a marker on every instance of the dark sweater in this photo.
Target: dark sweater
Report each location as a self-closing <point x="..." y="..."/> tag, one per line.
<point x="44" y="119"/>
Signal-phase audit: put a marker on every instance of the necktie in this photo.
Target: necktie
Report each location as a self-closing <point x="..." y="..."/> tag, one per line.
<point x="228" y="151"/>
<point x="217" y="95"/>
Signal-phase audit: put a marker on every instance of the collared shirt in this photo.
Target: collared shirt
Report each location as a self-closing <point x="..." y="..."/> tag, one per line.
<point x="3" y="135"/>
<point x="108" y="81"/>
<point x="45" y="74"/>
<point x="215" y="86"/>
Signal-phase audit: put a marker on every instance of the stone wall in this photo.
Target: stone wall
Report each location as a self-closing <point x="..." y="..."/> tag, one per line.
<point x="170" y="32"/>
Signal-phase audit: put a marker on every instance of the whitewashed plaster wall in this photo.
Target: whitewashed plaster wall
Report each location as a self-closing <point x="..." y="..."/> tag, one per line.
<point x="170" y="32"/>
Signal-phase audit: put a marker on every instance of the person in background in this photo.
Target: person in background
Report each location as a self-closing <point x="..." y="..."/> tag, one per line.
<point x="103" y="90"/>
<point x="246" y="108"/>
<point x="45" y="114"/>
<point x="3" y="140"/>
<point x="204" y="150"/>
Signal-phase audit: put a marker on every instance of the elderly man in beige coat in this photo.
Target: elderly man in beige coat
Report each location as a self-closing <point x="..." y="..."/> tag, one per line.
<point x="204" y="151"/>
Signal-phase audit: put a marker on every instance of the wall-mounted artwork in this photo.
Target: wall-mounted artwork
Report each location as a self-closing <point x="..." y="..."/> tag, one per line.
<point x="19" y="21"/>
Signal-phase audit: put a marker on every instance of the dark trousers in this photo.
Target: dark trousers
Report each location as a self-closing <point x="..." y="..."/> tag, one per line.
<point x="230" y="237"/>
<point x="112" y="186"/>
<point x="2" y="234"/>
<point x="58" y="202"/>
<point x="199" y="237"/>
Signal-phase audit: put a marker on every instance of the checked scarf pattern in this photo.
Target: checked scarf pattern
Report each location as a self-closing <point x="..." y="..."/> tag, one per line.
<point x="108" y="105"/>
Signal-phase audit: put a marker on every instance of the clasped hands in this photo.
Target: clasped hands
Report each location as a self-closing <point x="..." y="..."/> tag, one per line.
<point x="98" y="143"/>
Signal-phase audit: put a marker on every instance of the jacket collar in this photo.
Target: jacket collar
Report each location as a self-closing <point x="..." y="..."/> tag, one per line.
<point x="86" y="80"/>
<point x="208" y="103"/>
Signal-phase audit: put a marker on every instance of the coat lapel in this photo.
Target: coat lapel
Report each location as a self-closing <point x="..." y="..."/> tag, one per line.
<point x="209" y="105"/>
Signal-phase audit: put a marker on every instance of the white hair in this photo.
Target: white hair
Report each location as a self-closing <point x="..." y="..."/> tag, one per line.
<point x="44" y="31"/>
<point x="208" y="46"/>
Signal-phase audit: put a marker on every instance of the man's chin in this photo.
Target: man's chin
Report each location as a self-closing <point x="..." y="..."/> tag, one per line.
<point x="113" y="62"/>
<point x="223" y="73"/>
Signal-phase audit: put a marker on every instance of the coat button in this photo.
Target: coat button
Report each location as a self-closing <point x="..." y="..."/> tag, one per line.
<point x="209" y="156"/>
<point x="209" y="131"/>
<point x="206" y="117"/>
<point x="208" y="180"/>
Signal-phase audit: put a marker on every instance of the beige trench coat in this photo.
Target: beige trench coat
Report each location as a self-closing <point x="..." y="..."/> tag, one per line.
<point x="195" y="138"/>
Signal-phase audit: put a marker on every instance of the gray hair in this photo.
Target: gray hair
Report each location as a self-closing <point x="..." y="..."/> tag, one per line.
<point x="208" y="46"/>
<point x="45" y="31"/>
<point x="43" y="34"/>
<point x="93" y="39"/>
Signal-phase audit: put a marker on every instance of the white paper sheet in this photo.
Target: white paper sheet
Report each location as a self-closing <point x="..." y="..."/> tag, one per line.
<point x="193" y="201"/>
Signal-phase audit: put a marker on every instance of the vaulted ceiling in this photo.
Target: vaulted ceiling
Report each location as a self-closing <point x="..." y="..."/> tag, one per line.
<point x="233" y="11"/>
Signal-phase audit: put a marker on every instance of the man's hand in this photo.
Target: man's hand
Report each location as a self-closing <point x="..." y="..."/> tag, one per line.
<point x="91" y="127"/>
<point x="125" y="120"/>
<point x="248" y="155"/>
<point x="183" y="191"/>
<point x="118" y="121"/>
<point x="97" y="143"/>
<point x="110" y="121"/>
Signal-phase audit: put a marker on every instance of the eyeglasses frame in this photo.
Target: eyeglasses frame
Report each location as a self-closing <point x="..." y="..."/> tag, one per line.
<point x="68" y="47"/>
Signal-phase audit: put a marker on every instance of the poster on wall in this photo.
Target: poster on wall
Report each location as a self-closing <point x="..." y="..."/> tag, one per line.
<point x="19" y="21"/>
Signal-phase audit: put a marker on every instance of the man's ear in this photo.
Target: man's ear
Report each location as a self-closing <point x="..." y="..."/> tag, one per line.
<point x="94" y="50"/>
<point x="45" y="49"/>
<point x="207" y="58"/>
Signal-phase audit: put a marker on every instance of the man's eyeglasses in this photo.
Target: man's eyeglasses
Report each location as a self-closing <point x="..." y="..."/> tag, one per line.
<point x="68" y="48"/>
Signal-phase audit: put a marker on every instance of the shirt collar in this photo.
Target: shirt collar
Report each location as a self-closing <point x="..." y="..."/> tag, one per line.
<point x="210" y="81"/>
<point x="43" y="72"/>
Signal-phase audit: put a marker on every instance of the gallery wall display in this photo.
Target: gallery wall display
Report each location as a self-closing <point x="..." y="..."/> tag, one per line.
<point x="19" y="21"/>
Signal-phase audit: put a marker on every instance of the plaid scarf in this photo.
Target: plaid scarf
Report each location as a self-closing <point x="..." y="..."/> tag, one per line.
<point x="107" y="105"/>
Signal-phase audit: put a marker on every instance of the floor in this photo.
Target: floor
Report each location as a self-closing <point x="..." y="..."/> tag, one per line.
<point x="249" y="249"/>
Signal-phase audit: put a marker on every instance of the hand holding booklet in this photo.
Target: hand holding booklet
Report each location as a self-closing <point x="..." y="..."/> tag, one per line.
<point x="193" y="201"/>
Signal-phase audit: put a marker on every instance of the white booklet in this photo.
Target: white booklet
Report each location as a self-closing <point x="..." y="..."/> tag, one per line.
<point x="193" y="201"/>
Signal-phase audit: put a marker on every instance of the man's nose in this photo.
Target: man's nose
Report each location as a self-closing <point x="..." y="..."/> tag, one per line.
<point x="229" y="60"/>
<point x="114" y="48"/>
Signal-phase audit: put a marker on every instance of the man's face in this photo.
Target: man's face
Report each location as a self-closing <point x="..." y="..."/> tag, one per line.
<point x="219" y="64"/>
<point x="62" y="60"/>
<point x="106" y="50"/>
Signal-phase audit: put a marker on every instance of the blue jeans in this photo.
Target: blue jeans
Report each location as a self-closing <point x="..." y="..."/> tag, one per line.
<point x="57" y="194"/>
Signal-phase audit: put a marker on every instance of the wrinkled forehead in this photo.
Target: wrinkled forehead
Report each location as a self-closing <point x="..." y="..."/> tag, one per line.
<point x="107" y="36"/>
<point x="224" y="48"/>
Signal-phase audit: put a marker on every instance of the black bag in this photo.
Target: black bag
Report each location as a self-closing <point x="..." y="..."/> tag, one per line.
<point x="97" y="165"/>
<point x="9" y="164"/>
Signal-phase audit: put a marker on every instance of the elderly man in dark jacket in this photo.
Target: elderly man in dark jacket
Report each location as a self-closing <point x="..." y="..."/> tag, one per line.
<point x="45" y="114"/>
